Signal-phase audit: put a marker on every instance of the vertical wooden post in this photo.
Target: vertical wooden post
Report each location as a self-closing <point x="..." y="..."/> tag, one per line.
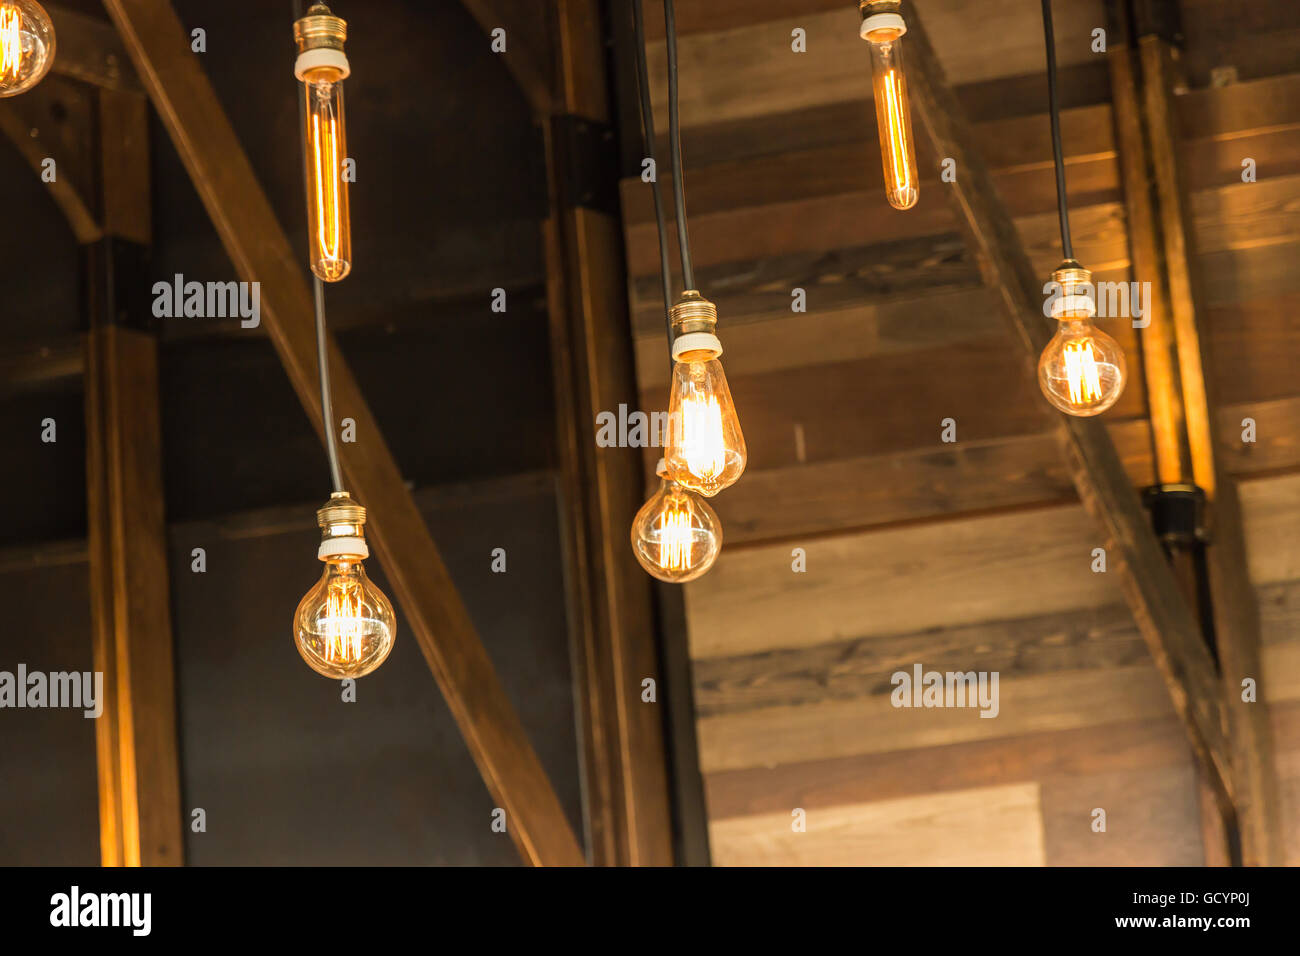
<point x="1161" y="239"/>
<point x="139" y="777"/>
<point x="624" y="769"/>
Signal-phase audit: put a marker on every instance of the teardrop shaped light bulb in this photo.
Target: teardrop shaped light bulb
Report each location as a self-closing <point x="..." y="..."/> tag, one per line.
<point x="26" y="45"/>
<point x="676" y="536"/>
<point x="705" y="449"/>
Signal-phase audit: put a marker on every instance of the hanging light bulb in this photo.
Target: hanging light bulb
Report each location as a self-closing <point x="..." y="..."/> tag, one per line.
<point x="676" y="536"/>
<point x="1082" y="370"/>
<point x="344" y="627"/>
<point x="883" y="27"/>
<point x="705" y="450"/>
<point x="322" y="66"/>
<point x="26" y="45"/>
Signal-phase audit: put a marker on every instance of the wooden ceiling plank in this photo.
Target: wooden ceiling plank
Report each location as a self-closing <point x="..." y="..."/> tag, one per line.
<point x="261" y="252"/>
<point x="1150" y="589"/>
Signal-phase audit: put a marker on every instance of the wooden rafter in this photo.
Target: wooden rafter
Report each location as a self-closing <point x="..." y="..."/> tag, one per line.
<point x="624" y="768"/>
<point x="261" y="252"/>
<point x="528" y="54"/>
<point x="139" y="771"/>
<point x="1167" y="624"/>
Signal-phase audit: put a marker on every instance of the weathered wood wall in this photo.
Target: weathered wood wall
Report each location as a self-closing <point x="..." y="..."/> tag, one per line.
<point x="971" y="555"/>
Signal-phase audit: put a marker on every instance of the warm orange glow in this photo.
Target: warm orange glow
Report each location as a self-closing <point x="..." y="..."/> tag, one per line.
<point x="899" y="149"/>
<point x="703" y="445"/>
<point x="675" y="539"/>
<point x="342" y="625"/>
<point x="1081" y="373"/>
<point x="325" y="154"/>
<point x="11" y="42"/>
<point x="894" y="123"/>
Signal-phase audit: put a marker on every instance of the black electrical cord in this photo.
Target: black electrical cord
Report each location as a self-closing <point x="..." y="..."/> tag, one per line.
<point x="675" y="147"/>
<point x="322" y="353"/>
<point x="648" y="142"/>
<point x="1059" y="153"/>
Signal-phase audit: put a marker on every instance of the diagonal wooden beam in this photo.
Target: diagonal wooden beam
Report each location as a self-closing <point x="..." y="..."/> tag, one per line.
<point x="1167" y="624"/>
<point x="54" y="120"/>
<point x="89" y="50"/>
<point x="529" y="45"/>
<point x="261" y="252"/>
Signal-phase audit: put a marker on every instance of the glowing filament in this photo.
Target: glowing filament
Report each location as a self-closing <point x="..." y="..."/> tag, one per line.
<point x="899" y="144"/>
<point x="675" y="540"/>
<point x="342" y="626"/>
<point x="325" y="152"/>
<point x="703" y="444"/>
<point x="1081" y="373"/>
<point x="11" y="42"/>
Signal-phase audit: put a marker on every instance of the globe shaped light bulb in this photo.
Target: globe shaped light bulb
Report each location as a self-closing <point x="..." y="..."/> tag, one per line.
<point x="344" y="626"/>
<point x="1082" y="370"/>
<point x="676" y="536"/>
<point x="26" y="45"/>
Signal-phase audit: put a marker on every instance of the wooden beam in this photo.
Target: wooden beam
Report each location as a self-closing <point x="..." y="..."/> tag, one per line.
<point x="1164" y="618"/>
<point x="90" y="50"/>
<point x="529" y="44"/>
<point x="1236" y="625"/>
<point x="624" y="769"/>
<point x="53" y="120"/>
<point x="261" y="252"/>
<point x="139" y="771"/>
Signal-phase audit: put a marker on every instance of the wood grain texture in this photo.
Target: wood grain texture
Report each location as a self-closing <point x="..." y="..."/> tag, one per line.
<point x="865" y="778"/>
<point x="260" y="251"/>
<point x="993" y="826"/>
<point x="624" y="763"/>
<point x="1152" y="818"/>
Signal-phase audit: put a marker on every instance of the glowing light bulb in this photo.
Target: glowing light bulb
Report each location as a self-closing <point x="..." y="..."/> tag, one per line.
<point x="1082" y="370"/>
<point x="676" y="536"/>
<point x="344" y="626"/>
<point x="322" y="67"/>
<point x="26" y="45"/>
<point x="705" y="450"/>
<point x="883" y="29"/>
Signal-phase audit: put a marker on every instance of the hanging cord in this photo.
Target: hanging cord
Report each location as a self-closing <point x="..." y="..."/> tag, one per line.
<point x="675" y="147"/>
<point x="648" y="142"/>
<point x="1058" y="152"/>
<point x="322" y="353"/>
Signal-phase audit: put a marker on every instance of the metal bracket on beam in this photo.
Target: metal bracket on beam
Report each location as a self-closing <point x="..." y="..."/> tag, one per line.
<point x="1177" y="514"/>
<point x="587" y="163"/>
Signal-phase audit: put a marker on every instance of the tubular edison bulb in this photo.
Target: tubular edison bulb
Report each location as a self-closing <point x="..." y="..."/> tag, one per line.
<point x="344" y="627"/>
<point x="676" y="536"/>
<point x="705" y="450"/>
<point x="883" y="29"/>
<point x="322" y="67"/>
<point x="26" y="45"/>
<point x="1082" y="370"/>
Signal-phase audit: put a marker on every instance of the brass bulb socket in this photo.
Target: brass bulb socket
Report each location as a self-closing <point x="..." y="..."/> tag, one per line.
<point x="1073" y="278"/>
<point x="320" y="30"/>
<point x="869" y="8"/>
<point x="341" y="517"/>
<point x="693" y="313"/>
